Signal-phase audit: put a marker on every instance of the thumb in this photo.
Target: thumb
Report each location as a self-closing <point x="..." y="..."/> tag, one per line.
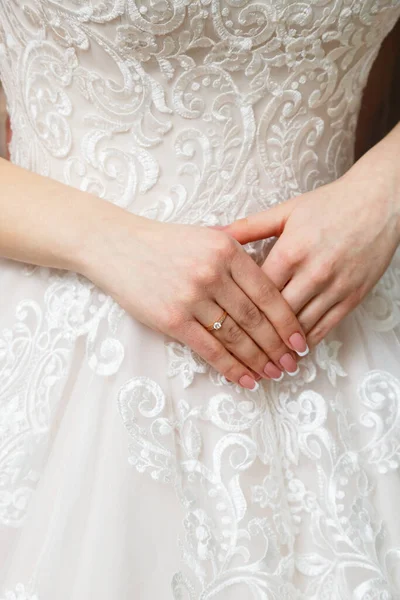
<point x="260" y="226"/>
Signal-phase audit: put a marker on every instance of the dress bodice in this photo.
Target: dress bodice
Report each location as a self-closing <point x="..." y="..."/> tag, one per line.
<point x="189" y="110"/>
<point x="129" y="468"/>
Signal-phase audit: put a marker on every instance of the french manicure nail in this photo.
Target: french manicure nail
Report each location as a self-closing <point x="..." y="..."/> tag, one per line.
<point x="306" y="351"/>
<point x="293" y="373"/>
<point x="278" y="378"/>
<point x="272" y="370"/>
<point x="299" y="344"/>
<point x="288" y="363"/>
<point x="255" y="388"/>
<point x="248" y="382"/>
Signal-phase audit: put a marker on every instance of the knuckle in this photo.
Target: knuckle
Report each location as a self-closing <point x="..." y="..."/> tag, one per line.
<point x="256" y="358"/>
<point x="232" y="372"/>
<point x="214" y="354"/>
<point x="318" y="276"/>
<point x="288" y="321"/>
<point x="206" y="274"/>
<point x="340" y="287"/>
<point x="275" y="346"/>
<point x="324" y="271"/>
<point x="232" y="333"/>
<point x="224" y="247"/>
<point x="290" y="256"/>
<point x="190" y="337"/>
<point x="172" y="321"/>
<point x="187" y="296"/>
<point x="250" y="316"/>
<point x="266" y="294"/>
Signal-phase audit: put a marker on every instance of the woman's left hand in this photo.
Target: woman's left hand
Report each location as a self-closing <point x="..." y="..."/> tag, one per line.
<point x="334" y="243"/>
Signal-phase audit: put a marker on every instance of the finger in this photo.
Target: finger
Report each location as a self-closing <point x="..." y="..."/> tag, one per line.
<point x="303" y="289"/>
<point x="316" y="309"/>
<point x="277" y="267"/>
<point x="241" y="345"/>
<point x="238" y="342"/>
<point x="260" y="289"/>
<point x="328" y="322"/>
<point x="261" y="225"/>
<point x="253" y="321"/>
<point x="213" y="352"/>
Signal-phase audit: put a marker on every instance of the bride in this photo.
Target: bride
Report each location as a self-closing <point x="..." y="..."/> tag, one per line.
<point x="200" y="303"/>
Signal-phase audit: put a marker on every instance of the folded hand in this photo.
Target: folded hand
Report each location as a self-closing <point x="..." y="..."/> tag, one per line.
<point x="334" y="243"/>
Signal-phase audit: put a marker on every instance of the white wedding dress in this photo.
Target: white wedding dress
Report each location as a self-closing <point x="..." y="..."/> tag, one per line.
<point x="128" y="468"/>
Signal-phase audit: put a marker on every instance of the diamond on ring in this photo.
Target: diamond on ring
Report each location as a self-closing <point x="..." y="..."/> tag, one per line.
<point x="217" y="324"/>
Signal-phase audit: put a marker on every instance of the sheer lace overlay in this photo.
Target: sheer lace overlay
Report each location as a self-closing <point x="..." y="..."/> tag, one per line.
<point x="128" y="467"/>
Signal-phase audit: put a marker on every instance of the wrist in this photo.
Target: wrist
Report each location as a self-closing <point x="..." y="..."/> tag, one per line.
<point x="377" y="176"/>
<point x="103" y="231"/>
<point x="77" y="237"/>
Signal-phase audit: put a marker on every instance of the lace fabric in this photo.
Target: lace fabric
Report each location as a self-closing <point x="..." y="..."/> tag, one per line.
<point x="128" y="467"/>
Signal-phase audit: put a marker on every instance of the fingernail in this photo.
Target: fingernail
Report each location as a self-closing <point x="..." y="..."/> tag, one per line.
<point x="279" y="378"/>
<point x="288" y="363"/>
<point x="299" y="344"/>
<point x="272" y="370"/>
<point x="248" y="382"/>
<point x="304" y="353"/>
<point x="293" y="373"/>
<point x="255" y="388"/>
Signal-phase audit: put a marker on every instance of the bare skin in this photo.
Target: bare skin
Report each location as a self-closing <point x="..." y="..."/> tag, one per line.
<point x="176" y="279"/>
<point x="351" y="228"/>
<point x="141" y="263"/>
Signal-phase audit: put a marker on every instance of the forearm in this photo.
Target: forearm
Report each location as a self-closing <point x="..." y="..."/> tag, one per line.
<point x="45" y="222"/>
<point x="379" y="170"/>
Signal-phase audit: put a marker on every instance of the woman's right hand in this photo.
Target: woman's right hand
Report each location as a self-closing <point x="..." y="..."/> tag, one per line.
<point x="178" y="279"/>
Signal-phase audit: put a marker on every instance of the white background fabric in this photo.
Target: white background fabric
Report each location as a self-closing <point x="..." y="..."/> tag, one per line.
<point x="128" y="469"/>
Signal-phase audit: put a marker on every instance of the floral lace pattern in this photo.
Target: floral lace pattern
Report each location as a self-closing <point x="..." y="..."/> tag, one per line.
<point x="203" y="111"/>
<point x="20" y="593"/>
<point x="286" y="426"/>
